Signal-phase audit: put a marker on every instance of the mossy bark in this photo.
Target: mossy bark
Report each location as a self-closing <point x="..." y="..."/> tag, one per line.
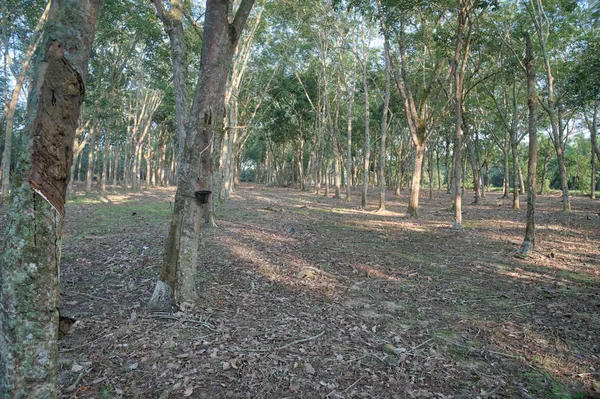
<point x="29" y="269"/>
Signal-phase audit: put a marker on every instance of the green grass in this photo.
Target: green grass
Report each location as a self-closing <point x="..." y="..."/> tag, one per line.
<point x="579" y="277"/>
<point x="152" y="211"/>
<point x="544" y="385"/>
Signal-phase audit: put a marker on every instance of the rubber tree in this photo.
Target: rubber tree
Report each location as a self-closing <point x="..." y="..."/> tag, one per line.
<point x="528" y="244"/>
<point x="29" y="279"/>
<point x="384" y="127"/>
<point x="541" y="24"/>
<point x="172" y="20"/>
<point x="11" y="107"/>
<point x="177" y="281"/>
<point x="419" y="106"/>
<point x="461" y="53"/>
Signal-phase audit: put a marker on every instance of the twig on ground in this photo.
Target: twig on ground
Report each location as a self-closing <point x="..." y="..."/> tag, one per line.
<point x="73" y="387"/>
<point x="505" y="354"/>
<point x="583" y="374"/>
<point x="87" y="344"/>
<point x="523" y="304"/>
<point x="423" y="343"/>
<point x="347" y="389"/>
<point x="90" y="296"/>
<point x="298" y="341"/>
<point x="183" y="320"/>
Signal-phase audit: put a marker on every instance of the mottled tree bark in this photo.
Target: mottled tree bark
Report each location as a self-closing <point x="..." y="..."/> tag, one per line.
<point x="177" y="281"/>
<point x="528" y="244"/>
<point x="415" y="186"/>
<point x="458" y="84"/>
<point x="29" y="283"/>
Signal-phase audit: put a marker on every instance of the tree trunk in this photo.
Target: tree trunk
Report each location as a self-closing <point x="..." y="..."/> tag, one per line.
<point x="593" y="180"/>
<point x="528" y="244"/>
<point x="177" y="281"/>
<point x="539" y="16"/>
<point x="349" y="181"/>
<point x="367" y="147"/>
<point x="516" y="184"/>
<point x="472" y="150"/>
<point x="384" y="128"/>
<point x="29" y="279"/>
<point x="592" y="124"/>
<point x="173" y="24"/>
<point x="449" y="172"/>
<point x="458" y="70"/>
<point x="115" y="167"/>
<point x="430" y="172"/>
<point x="148" y="157"/>
<point x="89" y="175"/>
<point x="437" y="164"/>
<point x="11" y="107"/>
<point x="415" y="187"/>
<point x="105" y="164"/>
<point x="334" y="143"/>
<point x="506" y="179"/>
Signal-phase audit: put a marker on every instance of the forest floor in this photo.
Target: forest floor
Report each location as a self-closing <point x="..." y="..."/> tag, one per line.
<point x="306" y="296"/>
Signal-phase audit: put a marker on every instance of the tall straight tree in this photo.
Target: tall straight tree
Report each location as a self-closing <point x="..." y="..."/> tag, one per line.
<point x="384" y="127"/>
<point x="367" y="148"/>
<point x="461" y="53"/>
<point x="528" y="244"/>
<point x="11" y="107"/>
<point x="172" y="20"/>
<point x="541" y="23"/>
<point x="419" y="106"/>
<point x="29" y="279"/>
<point x="177" y="280"/>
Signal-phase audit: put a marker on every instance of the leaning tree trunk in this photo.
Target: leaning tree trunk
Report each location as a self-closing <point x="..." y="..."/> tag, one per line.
<point x="29" y="279"/>
<point x="528" y="244"/>
<point x="177" y="280"/>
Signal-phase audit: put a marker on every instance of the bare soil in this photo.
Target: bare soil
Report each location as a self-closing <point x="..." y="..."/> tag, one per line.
<point x="307" y="296"/>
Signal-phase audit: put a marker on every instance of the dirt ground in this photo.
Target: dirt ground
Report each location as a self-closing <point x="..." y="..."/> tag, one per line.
<point x="306" y="296"/>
